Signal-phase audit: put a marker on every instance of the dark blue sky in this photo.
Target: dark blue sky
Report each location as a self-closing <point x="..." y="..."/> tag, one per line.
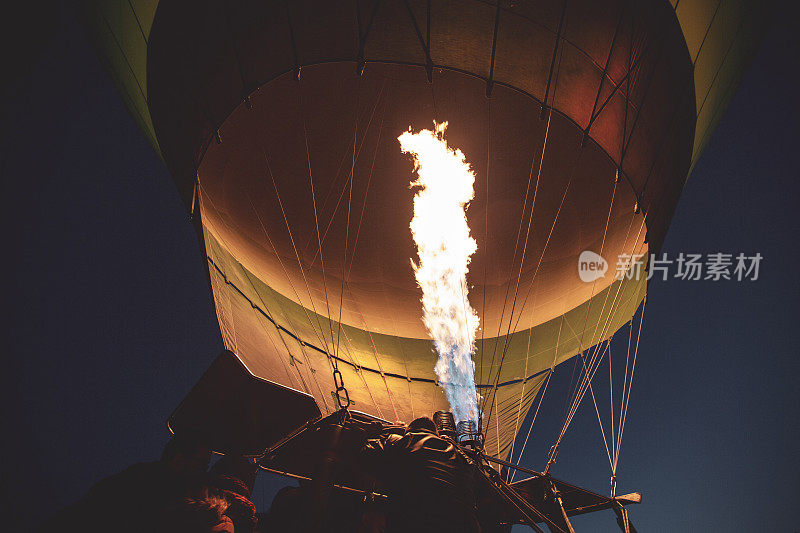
<point x="108" y="319"/>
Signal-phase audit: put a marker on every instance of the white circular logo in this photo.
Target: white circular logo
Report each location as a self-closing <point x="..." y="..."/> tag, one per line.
<point x="591" y="266"/>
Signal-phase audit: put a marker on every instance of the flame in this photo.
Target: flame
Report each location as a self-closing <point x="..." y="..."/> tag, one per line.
<point x="444" y="247"/>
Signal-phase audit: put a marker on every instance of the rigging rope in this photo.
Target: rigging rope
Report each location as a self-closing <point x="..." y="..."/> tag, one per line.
<point x="627" y="397"/>
<point x="480" y="399"/>
<point x="319" y="334"/>
<point x="635" y="68"/>
<point x="592" y="368"/>
<point x="594" y="362"/>
<point x="611" y="397"/>
<point x="556" y="62"/>
<point x="585" y="371"/>
<point x="522" y="394"/>
<point x="292" y="358"/>
<point x="369" y="183"/>
<point x="522" y="260"/>
<point x="321" y="337"/>
<point x="541" y="397"/>
<point x="285" y="271"/>
<point x="316" y="221"/>
<point x="519" y="228"/>
<point x="350" y="180"/>
<point x="352" y="257"/>
<point x="624" y="379"/>
<point x="201" y="200"/>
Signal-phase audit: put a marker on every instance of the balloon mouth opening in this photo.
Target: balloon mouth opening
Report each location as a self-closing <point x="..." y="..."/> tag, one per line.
<point x="267" y="141"/>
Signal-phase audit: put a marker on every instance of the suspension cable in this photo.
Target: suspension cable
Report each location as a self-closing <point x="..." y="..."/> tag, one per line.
<point x="352" y="258"/>
<point x="624" y="415"/>
<point x="541" y="397"/>
<point x="593" y="362"/>
<point x="283" y="364"/>
<point x="516" y="246"/>
<point x="522" y="260"/>
<point x="316" y="216"/>
<point x="320" y="334"/>
<point x="485" y="263"/>
<point x="555" y="68"/>
<point x="201" y="199"/>
<point x="351" y="179"/>
<point x="587" y="373"/>
<point x="285" y="271"/>
<point x="612" y="313"/>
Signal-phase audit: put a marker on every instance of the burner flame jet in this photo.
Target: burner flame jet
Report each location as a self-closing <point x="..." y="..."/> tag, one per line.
<point x="444" y="247"/>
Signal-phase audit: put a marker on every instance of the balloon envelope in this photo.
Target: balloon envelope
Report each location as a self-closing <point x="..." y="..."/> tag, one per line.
<point x="279" y="124"/>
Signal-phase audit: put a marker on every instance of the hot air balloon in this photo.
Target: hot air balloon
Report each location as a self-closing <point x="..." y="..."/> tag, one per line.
<point x="279" y="121"/>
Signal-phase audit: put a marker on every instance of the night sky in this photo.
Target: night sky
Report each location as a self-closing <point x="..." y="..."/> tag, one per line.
<point x="108" y="318"/>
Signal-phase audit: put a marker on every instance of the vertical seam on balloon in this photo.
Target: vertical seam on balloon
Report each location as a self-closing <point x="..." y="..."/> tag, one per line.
<point x="138" y="22"/>
<point x="490" y="79"/>
<point x="605" y="72"/>
<point x="553" y="61"/>
<point x="125" y="57"/>
<point x="428" y="60"/>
